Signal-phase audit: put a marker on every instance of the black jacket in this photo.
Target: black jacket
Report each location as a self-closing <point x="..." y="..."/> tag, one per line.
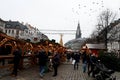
<point x="42" y="58"/>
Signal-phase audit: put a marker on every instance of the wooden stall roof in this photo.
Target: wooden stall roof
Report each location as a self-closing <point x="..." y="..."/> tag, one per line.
<point x="95" y="46"/>
<point x="6" y="36"/>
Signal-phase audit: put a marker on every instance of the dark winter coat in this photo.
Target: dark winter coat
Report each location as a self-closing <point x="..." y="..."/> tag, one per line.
<point x="56" y="60"/>
<point x="77" y="57"/>
<point x="42" y="58"/>
<point x="17" y="56"/>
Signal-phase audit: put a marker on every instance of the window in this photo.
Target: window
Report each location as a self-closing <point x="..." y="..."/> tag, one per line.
<point x="5" y="31"/>
<point x="9" y="31"/>
<point x="22" y="33"/>
<point x="8" y="25"/>
<point x="1" y="24"/>
<point x="12" y="31"/>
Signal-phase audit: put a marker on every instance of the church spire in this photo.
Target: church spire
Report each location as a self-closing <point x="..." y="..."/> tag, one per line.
<point x="78" y="31"/>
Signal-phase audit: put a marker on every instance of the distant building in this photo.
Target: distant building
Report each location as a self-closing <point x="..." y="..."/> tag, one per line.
<point x="2" y="25"/>
<point x="21" y="31"/>
<point x="76" y="44"/>
<point x="114" y="38"/>
<point x="15" y="29"/>
<point x="34" y="35"/>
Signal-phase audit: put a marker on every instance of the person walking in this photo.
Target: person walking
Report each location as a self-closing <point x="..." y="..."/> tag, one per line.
<point x="77" y="60"/>
<point x="88" y="61"/>
<point x="56" y="62"/>
<point x="84" y="61"/>
<point x="93" y="61"/>
<point x="68" y="55"/>
<point x="42" y="61"/>
<point x="16" y="60"/>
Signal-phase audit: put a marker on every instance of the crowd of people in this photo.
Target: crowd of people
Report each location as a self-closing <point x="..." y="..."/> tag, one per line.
<point x="52" y="59"/>
<point x="87" y="59"/>
<point x="49" y="57"/>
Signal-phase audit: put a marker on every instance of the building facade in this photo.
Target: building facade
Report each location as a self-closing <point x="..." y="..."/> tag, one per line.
<point x="21" y="31"/>
<point x="114" y="38"/>
<point x="2" y="25"/>
<point x="33" y="34"/>
<point x="15" y="29"/>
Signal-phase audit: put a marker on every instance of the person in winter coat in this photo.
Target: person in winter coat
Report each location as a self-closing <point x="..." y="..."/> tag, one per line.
<point x="93" y="61"/>
<point x="16" y="60"/>
<point x="43" y="58"/>
<point x="56" y="62"/>
<point x="84" y="61"/>
<point x="77" y="60"/>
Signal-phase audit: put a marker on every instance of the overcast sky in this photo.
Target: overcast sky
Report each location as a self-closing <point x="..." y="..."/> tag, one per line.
<point x="58" y="14"/>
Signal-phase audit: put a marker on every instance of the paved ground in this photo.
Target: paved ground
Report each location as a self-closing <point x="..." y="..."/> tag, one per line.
<point x="65" y="72"/>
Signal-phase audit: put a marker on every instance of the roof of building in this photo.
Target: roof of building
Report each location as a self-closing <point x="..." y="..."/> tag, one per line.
<point x="75" y="44"/>
<point x="95" y="46"/>
<point x="2" y="20"/>
<point x="15" y="25"/>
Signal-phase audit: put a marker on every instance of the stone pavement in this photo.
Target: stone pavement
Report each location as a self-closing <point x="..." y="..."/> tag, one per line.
<point x="65" y="72"/>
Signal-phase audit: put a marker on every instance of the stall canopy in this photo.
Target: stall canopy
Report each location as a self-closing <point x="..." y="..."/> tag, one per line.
<point x="94" y="48"/>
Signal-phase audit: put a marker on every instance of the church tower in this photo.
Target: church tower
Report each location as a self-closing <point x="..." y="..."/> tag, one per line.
<point x="78" y="31"/>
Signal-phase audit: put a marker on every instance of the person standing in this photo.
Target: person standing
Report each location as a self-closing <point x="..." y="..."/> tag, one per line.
<point x="16" y="60"/>
<point x="56" y="62"/>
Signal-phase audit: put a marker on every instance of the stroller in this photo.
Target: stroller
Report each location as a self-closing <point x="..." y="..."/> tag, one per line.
<point x="102" y="72"/>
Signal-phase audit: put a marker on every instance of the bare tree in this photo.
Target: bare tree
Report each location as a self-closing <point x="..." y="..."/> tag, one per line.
<point x="104" y="19"/>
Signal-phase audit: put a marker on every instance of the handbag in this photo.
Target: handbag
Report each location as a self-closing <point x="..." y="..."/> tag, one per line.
<point x="73" y="61"/>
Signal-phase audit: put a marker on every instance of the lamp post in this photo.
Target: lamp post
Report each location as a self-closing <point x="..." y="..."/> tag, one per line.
<point x="106" y="40"/>
<point x="119" y="45"/>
